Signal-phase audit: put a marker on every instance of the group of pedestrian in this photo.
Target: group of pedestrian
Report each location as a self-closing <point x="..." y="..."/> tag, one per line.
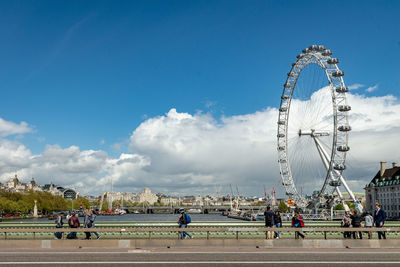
<point x="73" y="223"/>
<point x="355" y="220"/>
<point x="273" y="219"/>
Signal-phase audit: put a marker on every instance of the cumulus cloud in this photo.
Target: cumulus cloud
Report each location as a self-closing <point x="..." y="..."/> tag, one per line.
<point x="8" y="128"/>
<point x="187" y="153"/>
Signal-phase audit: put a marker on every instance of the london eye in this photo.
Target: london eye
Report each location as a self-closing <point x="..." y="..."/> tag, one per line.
<point x="313" y="130"/>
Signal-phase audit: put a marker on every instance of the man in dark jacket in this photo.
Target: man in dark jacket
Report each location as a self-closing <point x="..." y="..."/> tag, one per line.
<point x="380" y="218"/>
<point x="356" y="222"/>
<point x="269" y="220"/>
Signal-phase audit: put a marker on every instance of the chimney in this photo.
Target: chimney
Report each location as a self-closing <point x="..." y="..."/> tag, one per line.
<point x="383" y="167"/>
<point x="394" y="164"/>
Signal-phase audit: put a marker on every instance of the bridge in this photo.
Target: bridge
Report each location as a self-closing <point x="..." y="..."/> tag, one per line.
<point x="175" y="209"/>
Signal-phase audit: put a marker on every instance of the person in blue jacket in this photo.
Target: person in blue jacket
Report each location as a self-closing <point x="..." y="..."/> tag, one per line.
<point x="380" y="218"/>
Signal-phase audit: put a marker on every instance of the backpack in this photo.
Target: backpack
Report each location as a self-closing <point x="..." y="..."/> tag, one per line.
<point x="188" y="219"/>
<point x="70" y="222"/>
<point x="76" y="223"/>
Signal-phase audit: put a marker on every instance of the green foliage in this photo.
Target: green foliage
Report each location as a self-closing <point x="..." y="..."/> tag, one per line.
<point x="339" y="207"/>
<point x="25" y="202"/>
<point x="283" y="207"/>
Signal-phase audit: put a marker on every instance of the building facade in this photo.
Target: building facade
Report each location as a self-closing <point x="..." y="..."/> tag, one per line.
<point x="384" y="189"/>
<point x="146" y="197"/>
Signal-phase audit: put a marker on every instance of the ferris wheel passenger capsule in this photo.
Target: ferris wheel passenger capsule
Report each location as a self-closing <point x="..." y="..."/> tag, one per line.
<point x="332" y="61"/>
<point x="321" y="47"/>
<point x="337" y="73"/>
<point x="306" y="50"/>
<point x="281" y="122"/>
<point x="334" y="183"/>
<point x="300" y="56"/>
<point x="283" y="109"/>
<point x="344" y="128"/>
<point x="344" y="108"/>
<point x="342" y="89"/>
<point x="327" y="52"/>
<point x="339" y="167"/>
<point x="314" y="47"/>
<point x="281" y="148"/>
<point x="281" y="135"/>
<point x="343" y="148"/>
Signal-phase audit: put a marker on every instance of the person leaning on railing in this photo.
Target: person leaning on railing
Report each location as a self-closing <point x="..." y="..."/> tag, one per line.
<point x="298" y="222"/>
<point x="346" y="222"/>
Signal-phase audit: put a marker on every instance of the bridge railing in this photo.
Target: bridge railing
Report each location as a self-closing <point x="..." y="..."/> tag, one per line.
<point x="151" y="231"/>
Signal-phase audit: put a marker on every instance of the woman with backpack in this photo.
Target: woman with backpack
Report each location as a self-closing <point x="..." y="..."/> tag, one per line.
<point x="183" y="221"/>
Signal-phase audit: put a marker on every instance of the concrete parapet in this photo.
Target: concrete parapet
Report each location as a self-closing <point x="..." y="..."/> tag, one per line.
<point x="198" y="243"/>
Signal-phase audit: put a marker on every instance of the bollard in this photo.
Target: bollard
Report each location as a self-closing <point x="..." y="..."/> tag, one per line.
<point x="237" y="235"/>
<point x="324" y="234"/>
<point x="149" y="235"/>
<point x="208" y="235"/>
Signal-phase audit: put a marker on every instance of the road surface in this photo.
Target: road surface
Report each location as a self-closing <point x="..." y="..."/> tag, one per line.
<point x="203" y="257"/>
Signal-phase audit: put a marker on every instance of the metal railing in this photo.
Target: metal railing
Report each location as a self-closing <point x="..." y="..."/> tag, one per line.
<point x="236" y="230"/>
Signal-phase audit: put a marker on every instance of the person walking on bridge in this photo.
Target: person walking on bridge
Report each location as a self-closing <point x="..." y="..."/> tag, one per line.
<point x="86" y="223"/>
<point x="91" y="224"/>
<point x="183" y="222"/>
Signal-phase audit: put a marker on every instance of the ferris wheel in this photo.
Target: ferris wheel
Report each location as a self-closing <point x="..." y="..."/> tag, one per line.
<point x="313" y="130"/>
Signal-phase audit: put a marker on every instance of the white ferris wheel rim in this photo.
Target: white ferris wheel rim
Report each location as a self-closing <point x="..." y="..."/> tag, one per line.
<point x="320" y="56"/>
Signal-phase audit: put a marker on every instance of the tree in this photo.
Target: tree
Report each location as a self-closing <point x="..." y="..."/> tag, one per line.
<point x="339" y="207"/>
<point x="283" y="207"/>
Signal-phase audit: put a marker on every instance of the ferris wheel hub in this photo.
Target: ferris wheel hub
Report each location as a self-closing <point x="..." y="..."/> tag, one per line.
<point x="313" y="133"/>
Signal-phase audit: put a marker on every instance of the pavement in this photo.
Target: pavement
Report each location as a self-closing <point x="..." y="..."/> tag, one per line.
<point x="200" y="257"/>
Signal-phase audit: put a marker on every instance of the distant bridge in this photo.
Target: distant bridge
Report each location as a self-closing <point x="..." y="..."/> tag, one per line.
<point x="175" y="209"/>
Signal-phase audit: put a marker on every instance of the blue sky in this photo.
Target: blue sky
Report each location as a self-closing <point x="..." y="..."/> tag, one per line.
<point x="79" y="72"/>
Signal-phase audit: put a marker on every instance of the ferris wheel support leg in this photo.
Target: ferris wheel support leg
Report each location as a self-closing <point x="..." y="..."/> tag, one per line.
<point x="325" y="159"/>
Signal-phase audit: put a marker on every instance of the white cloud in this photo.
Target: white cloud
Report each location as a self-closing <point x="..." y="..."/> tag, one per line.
<point x="371" y="89"/>
<point x="8" y="128"/>
<point x="194" y="153"/>
<point x="355" y="86"/>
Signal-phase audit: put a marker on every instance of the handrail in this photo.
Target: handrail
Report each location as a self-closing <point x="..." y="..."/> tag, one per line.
<point x="200" y="229"/>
